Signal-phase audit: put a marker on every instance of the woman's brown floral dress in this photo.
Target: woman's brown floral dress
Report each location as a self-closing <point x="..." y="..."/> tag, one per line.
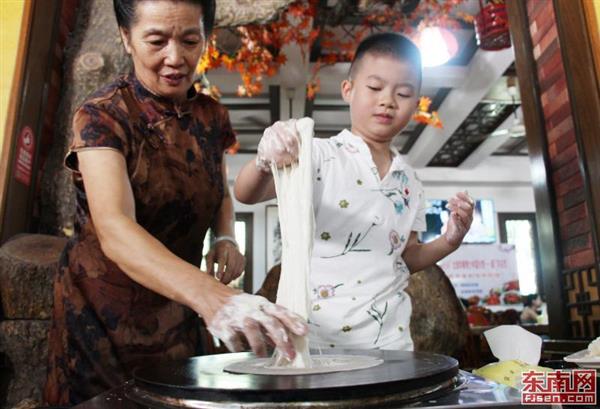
<point x="104" y="323"/>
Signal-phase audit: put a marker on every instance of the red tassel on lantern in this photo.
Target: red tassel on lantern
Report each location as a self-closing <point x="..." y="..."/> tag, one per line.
<point x="491" y="26"/>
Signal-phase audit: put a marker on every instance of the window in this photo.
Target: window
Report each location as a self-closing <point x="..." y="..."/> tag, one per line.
<point x="520" y="229"/>
<point x="243" y="235"/>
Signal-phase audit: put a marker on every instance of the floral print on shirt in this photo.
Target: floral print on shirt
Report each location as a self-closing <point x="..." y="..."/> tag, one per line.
<point x="326" y="291"/>
<point x="351" y="245"/>
<point x="399" y="195"/>
<point x="400" y="266"/>
<point x="377" y="314"/>
<point x="395" y="241"/>
<point x="362" y="225"/>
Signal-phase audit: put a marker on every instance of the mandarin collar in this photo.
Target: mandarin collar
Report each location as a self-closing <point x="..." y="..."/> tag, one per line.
<point x="165" y="105"/>
<point x="363" y="148"/>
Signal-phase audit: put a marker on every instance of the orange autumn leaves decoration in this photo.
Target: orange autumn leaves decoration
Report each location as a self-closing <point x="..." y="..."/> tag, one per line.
<point x="260" y="54"/>
<point x="424" y="116"/>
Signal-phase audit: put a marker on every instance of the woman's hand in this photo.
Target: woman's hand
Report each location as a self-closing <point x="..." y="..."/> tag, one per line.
<point x="251" y="318"/>
<point x="231" y="262"/>
<point x="278" y="145"/>
<point x="461" y="217"/>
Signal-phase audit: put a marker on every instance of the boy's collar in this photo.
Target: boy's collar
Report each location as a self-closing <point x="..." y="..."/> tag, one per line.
<point x="362" y="145"/>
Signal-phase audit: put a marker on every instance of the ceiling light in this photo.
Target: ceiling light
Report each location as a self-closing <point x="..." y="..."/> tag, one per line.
<point x="437" y="46"/>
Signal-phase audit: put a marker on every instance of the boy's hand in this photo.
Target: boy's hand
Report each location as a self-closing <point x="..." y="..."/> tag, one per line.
<point x="231" y="262"/>
<point x="461" y="217"/>
<point x="278" y="145"/>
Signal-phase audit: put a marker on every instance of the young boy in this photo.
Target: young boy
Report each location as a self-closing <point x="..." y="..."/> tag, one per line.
<point x="369" y="204"/>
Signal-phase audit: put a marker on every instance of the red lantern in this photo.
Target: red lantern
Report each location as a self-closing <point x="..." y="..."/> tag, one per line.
<point x="491" y="26"/>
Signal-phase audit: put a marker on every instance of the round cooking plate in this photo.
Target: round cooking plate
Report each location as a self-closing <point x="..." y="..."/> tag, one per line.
<point x="201" y="381"/>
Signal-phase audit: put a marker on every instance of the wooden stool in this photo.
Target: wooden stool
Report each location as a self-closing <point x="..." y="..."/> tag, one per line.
<point x="27" y="267"/>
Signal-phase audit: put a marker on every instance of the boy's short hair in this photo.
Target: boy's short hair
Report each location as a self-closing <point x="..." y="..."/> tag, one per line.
<point x="393" y="44"/>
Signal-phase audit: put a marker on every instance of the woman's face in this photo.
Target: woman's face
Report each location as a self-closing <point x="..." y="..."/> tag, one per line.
<point x="165" y="41"/>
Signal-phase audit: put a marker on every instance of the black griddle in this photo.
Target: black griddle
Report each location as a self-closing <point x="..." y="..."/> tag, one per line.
<point x="201" y="382"/>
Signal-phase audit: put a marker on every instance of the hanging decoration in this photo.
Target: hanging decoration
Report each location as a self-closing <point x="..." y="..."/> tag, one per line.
<point x="491" y="26"/>
<point x="260" y="54"/>
<point x="424" y="116"/>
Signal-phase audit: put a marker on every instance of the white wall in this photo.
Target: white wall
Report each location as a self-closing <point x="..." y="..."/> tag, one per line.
<point x="505" y="180"/>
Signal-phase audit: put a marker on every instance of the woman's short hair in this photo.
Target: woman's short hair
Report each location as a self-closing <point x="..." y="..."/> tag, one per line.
<point x="125" y="12"/>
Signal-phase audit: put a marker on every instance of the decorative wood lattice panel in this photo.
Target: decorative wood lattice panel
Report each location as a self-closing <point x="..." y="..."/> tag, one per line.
<point x="582" y="292"/>
<point x="476" y="127"/>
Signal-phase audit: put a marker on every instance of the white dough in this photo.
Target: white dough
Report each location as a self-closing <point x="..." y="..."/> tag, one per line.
<point x="293" y="185"/>
<point x="321" y="364"/>
<point x="594" y="348"/>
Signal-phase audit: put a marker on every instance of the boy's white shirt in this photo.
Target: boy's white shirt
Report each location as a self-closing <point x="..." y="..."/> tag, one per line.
<point x="362" y="225"/>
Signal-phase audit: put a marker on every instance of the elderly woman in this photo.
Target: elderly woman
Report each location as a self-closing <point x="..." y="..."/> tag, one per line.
<point x="149" y="171"/>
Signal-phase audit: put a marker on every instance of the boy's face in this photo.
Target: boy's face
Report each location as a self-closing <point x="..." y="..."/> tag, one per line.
<point x="383" y="94"/>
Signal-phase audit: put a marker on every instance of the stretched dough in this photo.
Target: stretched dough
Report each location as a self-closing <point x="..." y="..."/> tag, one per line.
<point x="293" y="185"/>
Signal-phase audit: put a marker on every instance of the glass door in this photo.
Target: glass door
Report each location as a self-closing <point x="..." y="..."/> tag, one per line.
<point x="520" y="229"/>
<point x="243" y="234"/>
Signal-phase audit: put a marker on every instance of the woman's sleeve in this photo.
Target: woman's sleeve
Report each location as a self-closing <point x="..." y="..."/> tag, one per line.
<point x="227" y="134"/>
<point x="95" y="128"/>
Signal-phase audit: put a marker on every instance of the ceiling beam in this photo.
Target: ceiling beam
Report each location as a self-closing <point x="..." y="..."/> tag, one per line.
<point x="483" y="71"/>
<point x="519" y="147"/>
<point x="491" y="143"/>
<point x="496" y="169"/>
<point x="248" y="131"/>
<point x="330" y="107"/>
<point x="242" y="106"/>
<point x="465" y="55"/>
<point x="309" y="107"/>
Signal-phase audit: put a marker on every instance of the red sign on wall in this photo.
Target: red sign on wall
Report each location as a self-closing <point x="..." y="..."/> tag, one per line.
<point x="24" y="156"/>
